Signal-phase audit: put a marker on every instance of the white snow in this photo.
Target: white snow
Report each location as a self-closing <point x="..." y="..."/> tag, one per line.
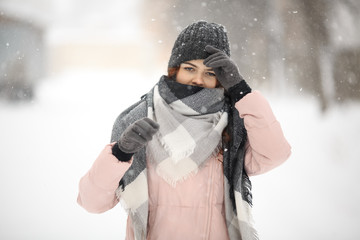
<point x="47" y="145"/>
<point x="314" y="195"/>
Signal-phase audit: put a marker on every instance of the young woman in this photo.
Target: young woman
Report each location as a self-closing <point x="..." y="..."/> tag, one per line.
<point x="180" y="158"/>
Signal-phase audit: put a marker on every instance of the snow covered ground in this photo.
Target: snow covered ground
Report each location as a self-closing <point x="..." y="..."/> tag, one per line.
<point x="47" y="145"/>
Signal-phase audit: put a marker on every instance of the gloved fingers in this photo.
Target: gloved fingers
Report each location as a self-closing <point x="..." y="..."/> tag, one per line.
<point x="139" y="134"/>
<point x="151" y="126"/>
<point x="219" y="63"/>
<point x="131" y="143"/>
<point x="135" y="135"/>
<point x="152" y="123"/>
<point x="210" y="49"/>
<point x="146" y="128"/>
<point x="231" y="68"/>
<point x="211" y="59"/>
<point x="214" y="56"/>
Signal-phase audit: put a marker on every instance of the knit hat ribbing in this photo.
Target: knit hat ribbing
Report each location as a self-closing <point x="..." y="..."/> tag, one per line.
<point x="191" y="42"/>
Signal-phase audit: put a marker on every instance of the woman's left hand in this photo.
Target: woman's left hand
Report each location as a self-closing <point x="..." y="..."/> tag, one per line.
<point x="227" y="73"/>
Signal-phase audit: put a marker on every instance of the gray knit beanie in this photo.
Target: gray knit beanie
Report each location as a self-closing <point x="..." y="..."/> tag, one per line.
<point x="191" y="42"/>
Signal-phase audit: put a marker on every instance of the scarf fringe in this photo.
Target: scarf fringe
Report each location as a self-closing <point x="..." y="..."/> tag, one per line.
<point x="183" y="144"/>
<point x="122" y="202"/>
<point x="173" y="182"/>
<point x="175" y="158"/>
<point x="163" y="174"/>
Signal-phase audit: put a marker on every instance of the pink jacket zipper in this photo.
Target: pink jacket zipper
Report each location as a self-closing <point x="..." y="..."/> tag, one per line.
<point x="210" y="200"/>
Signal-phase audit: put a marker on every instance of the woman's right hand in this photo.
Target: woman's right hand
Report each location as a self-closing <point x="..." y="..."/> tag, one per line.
<point x="137" y="135"/>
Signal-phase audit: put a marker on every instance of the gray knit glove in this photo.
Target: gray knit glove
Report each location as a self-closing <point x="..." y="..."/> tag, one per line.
<point x="227" y="73"/>
<point x="137" y="135"/>
<point x="134" y="138"/>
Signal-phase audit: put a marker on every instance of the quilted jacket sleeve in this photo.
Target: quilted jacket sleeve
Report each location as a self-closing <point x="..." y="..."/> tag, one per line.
<point x="97" y="187"/>
<point x="267" y="147"/>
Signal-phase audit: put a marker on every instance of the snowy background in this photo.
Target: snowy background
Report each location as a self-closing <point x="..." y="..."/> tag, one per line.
<point x="47" y="144"/>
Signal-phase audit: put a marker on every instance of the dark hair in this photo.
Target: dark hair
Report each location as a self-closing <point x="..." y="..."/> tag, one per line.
<point x="172" y="72"/>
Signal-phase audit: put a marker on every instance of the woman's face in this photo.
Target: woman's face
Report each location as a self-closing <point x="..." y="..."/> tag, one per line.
<point x="195" y="73"/>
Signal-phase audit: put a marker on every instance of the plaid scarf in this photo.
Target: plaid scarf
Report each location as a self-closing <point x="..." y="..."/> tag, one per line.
<point x="191" y="129"/>
<point x="133" y="187"/>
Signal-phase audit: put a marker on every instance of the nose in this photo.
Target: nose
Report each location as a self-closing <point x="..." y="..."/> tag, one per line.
<point x="198" y="80"/>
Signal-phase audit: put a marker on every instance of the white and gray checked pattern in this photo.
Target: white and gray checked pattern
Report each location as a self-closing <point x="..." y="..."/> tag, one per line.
<point x="183" y="143"/>
<point x="133" y="190"/>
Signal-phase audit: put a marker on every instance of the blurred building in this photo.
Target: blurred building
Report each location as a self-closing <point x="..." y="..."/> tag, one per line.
<point x="45" y="38"/>
<point x="21" y="57"/>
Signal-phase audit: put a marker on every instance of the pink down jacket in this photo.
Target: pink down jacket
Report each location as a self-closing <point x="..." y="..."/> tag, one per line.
<point x="194" y="209"/>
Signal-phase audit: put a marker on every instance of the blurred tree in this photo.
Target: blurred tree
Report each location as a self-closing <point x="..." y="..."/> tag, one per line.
<point x="305" y="41"/>
<point x="347" y="74"/>
<point x="346" y="41"/>
<point x="314" y="61"/>
<point x="276" y="44"/>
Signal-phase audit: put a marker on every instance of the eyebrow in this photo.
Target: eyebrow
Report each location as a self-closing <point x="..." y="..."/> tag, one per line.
<point x="210" y="69"/>
<point x="191" y="64"/>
